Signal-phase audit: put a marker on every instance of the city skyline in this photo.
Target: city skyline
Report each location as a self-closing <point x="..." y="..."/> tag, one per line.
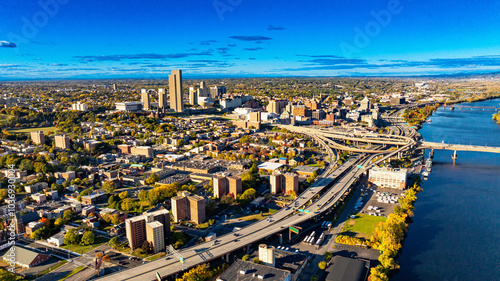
<point x="54" y="39"/>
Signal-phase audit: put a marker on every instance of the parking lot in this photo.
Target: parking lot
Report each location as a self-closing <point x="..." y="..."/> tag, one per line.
<point x="379" y="201"/>
<point x="123" y="260"/>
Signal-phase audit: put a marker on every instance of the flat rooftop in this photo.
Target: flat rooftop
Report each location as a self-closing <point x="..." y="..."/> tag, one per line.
<point x="249" y="271"/>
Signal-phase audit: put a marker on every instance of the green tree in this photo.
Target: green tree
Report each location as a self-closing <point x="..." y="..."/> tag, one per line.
<point x="256" y="260"/>
<point x="152" y="179"/>
<point x="123" y="195"/>
<point x="59" y="222"/>
<point x="72" y="237"/>
<point x="6" y="275"/>
<point x="146" y="247"/>
<point x="113" y="242"/>
<point x="68" y="215"/>
<point x="245" y="257"/>
<point x="88" y="238"/>
<point x="127" y="204"/>
<point x="109" y="186"/>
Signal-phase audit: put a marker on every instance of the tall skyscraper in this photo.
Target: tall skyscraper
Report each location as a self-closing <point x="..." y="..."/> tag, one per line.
<point x="193" y="96"/>
<point x="146" y="104"/>
<point x="162" y="100"/>
<point x="175" y="90"/>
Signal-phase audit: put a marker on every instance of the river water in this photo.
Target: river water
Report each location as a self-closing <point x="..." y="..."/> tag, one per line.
<point x="455" y="234"/>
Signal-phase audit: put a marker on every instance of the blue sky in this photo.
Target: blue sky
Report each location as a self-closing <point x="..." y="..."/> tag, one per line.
<point x="237" y="38"/>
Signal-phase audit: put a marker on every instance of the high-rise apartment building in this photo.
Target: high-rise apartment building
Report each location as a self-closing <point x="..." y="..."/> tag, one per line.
<point x="136" y="228"/>
<point x="220" y="186"/>
<point x="62" y="142"/>
<point x="284" y="183"/>
<point x="291" y="183"/>
<point x="188" y="206"/>
<point x="146" y="102"/>
<point x="79" y="106"/>
<point x="225" y="185"/>
<point x="175" y="90"/>
<point x="235" y="186"/>
<point x="38" y="137"/>
<point x="155" y="236"/>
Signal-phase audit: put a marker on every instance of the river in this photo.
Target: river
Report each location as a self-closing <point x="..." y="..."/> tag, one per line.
<point x="455" y="234"/>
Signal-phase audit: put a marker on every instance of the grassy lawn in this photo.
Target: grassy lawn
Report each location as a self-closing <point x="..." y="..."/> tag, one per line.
<point x="85" y="249"/>
<point x="73" y="272"/>
<point x="257" y="217"/>
<point x="315" y="165"/>
<point x="362" y="226"/>
<point x="29" y="130"/>
<point x="203" y="225"/>
<point x="52" y="268"/>
<point x="155" y="257"/>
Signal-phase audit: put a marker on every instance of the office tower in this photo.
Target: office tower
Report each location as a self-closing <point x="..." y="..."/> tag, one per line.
<point x="365" y="104"/>
<point x="38" y="137"/>
<point x="62" y="142"/>
<point x="276" y="106"/>
<point x="114" y="87"/>
<point x="203" y="91"/>
<point x="266" y="255"/>
<point x="146" y="103"/>
<point x="155" y="236"/>
<point x="255" y="117"/>
<point x="188" y="206"/>
<point x="136" y="228"/>
<point x="235" y="187"/>
<point x="220" y="186"/>
<point x="175" y="90"/>
<point x="291" y="183"/>
<point x="162" y="100"/>
<point x="217" y="91"/>
<point x="193" y="96"/>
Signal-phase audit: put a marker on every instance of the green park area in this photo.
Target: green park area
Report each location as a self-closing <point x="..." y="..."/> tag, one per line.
<point x="45" y="130"/>
<point x="82" y="249"/>
<point x="4" y="118"/>
<point x="361" y="226"/>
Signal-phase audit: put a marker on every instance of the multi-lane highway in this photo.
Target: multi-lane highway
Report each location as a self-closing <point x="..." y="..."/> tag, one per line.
<point x="336" y="183"/>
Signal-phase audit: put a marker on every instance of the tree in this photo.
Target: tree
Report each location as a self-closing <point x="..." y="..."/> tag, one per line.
<point x="7" y="276"/>
<point x="146" y="247"/>
<point x="328" y="256"/>
<point x="245" y="257"/>
<point x="256" y="260"/>
<point x="72" y="237"/>
<point x="127" y="204"/>
<point x="68" y="215"/>
<point x="152" y="179"/>
<point x="123" y="195"/>
<point x="113" y="242"/>
<point x="59" y="222"/>
<point x="143" y="196"/>
<point x="88" y="238"/>
<point x="109" y="186"/>
<point x="322" y="265"/>
<point x="115" y="219"/>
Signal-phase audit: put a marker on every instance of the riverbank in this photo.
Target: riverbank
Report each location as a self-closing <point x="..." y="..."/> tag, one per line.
<point x="439" y="245"/>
